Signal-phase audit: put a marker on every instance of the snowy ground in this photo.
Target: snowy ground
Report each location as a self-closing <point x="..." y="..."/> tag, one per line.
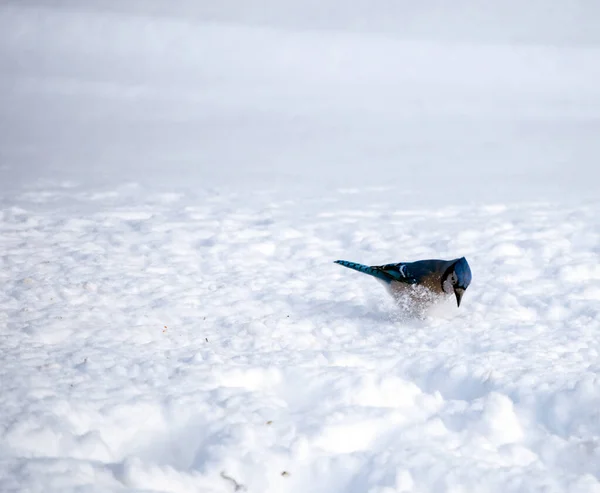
<point x="173" y="194"/>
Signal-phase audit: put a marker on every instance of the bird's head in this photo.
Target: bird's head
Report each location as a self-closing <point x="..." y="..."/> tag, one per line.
<point x="457" y="278"/>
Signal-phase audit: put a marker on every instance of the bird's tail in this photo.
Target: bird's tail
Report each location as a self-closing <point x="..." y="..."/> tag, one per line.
<point x="365" y="269"/>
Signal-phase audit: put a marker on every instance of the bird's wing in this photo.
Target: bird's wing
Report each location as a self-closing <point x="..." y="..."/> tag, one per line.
<point x="397" y="272"/>
<point x="415" y="272"/>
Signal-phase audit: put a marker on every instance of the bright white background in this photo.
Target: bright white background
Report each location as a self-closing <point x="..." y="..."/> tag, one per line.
<point x="175" y="181"/>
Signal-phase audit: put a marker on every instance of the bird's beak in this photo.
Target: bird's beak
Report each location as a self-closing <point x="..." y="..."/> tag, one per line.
<point x="459" y="294"/>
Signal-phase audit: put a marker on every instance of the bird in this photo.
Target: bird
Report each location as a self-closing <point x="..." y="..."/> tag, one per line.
<point x="422" y="282"/>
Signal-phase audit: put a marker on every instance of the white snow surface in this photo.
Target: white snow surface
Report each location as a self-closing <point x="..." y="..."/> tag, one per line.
<point x="175" y="182"/>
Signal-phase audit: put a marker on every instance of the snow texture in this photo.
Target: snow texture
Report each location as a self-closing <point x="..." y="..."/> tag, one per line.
<point x="175" y="184"/>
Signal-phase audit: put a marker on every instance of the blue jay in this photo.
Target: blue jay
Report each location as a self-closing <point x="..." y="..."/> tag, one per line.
<point x="423" y="280"/>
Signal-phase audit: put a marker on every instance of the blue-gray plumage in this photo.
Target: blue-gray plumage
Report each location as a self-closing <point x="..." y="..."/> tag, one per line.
<point x="438" y="277"/>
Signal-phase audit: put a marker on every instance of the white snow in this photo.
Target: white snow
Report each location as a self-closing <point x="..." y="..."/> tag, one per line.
<point x="175" y="182"/>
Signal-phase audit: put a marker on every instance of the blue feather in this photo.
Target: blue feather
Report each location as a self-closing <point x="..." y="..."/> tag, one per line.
<point x="406" y="272"/>
<point x="463" y="273"/>
<point x="365" y="269"/>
